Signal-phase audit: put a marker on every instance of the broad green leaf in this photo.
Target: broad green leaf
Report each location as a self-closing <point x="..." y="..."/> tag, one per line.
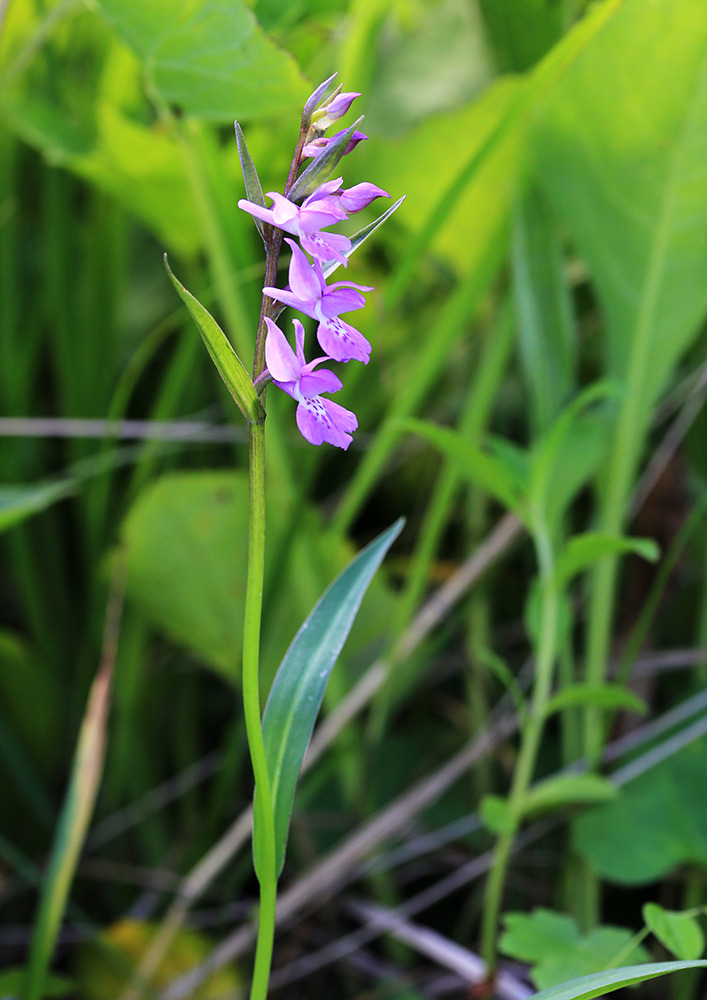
<point x="298" y="688"/>
<point x="20" y="502"/>
<point x="547" y="338"/>
<point x="621" y="156"/>
<point x="209" y="57"/>
<point x="488" y="472"/>
<point x="566" y="790"/>
<point x="424" y="163"/>
<point x="522" y="31"/>
<point x="583" y="551"/>
<point x="186" y="538"/>
<point x="71" y="830"/>
<point x="588" y="987"/>
<point x="612" y="838"/>
<point x="435" y="62"/>
<point x="229" y="365"/>
<point x="680" y="933"/>
<point x="552" y="944"/>
<point x="607" y="696"/>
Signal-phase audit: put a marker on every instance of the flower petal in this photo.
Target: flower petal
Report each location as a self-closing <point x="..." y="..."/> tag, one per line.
<point x="303" y="279"/>
<point x="322" y="420"/>
<point x="327" y="246"/>
<point x="289" y="298"/>
<point x="342" y="342"/>
<point x="314" y="383"/>
<point x="284" y="212"/>
<point x="257" y="210"/>
<point x="361" y="195"/>
<point x="279" y="357"/>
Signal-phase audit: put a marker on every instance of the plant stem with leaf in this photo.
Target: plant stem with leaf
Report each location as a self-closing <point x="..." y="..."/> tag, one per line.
<point x="530" y="742"/>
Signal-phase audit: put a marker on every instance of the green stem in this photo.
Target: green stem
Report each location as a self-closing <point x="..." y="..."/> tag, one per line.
<point x="530" y="743"/>
<point x="267" y="872"/>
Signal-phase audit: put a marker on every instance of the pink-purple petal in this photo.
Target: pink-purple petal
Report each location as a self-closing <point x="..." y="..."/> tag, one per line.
<point x="303" y="280"/>
<point x="342" y="342"/>
<point x="360" y="196"/>
<point x="314" y="383"/>
<point x="279" y="357"/>
<point x="320" y="420"/>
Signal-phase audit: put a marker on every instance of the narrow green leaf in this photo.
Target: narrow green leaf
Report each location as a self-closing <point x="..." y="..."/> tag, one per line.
<point x="19" y="502"/>
<point x="588" y="987"/>
<point x="73" y="823"/>
<point x="314" y="100"/>
<point x="357" y="239"/>
<point x="678" y="932"/>
<point x="565" y="790"/>
<point x="229" y="365"/>
<point x="547" y="451"/>
<point x="608" y="696"/>
<point x="322" y="166"/>
<point x="298" y="688"/>
<point x="253" y="187"/>
<point x="485" y="470"/>
<point x="584" y="550"/>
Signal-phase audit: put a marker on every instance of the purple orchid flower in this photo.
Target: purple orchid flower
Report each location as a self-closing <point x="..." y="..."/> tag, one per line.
<point x="309" y="293"/>
<point x="334" y="109"/>
<point x="315" y="147"/>
<point x="318" y="419"/>
<point x="305" y="222"/>
<point x="331" y="196"/>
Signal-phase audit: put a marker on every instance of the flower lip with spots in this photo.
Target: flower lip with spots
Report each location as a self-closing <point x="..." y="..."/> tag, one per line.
<point x="309" y="293"/>
<point x="306" y="221"/>
<point x="318" y="419"/>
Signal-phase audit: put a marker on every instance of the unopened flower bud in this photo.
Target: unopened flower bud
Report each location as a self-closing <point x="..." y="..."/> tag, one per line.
<point x="332" y="110"/>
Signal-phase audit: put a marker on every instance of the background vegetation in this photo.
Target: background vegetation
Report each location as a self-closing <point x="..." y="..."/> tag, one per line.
<point x="535" y="397"/>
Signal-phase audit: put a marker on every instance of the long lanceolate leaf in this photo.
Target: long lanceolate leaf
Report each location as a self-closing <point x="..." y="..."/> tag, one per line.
<point x="599" y="983"/>
<point x="229" y="365"/>
<point x="298" y="688"/>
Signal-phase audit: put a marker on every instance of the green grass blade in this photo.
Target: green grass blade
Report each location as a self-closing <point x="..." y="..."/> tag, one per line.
<point x="600" y="983"/>
<point x="20" y="502"/>
<point x="71" y="830"/>
<point x="298" y="688"/>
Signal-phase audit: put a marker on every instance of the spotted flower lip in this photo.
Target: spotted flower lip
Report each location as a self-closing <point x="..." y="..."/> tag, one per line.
<point x="315" y="147"/>
<point x="306" y="222"/>
<point x="318" y="419"/>
<point x="309" y="293"/>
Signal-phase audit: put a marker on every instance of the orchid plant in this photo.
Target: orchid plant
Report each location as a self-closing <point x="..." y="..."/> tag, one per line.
<point x="309" y="205"/>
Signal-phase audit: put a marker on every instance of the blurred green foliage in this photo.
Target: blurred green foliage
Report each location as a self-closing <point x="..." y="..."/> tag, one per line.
<point x="553" y="237"/>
